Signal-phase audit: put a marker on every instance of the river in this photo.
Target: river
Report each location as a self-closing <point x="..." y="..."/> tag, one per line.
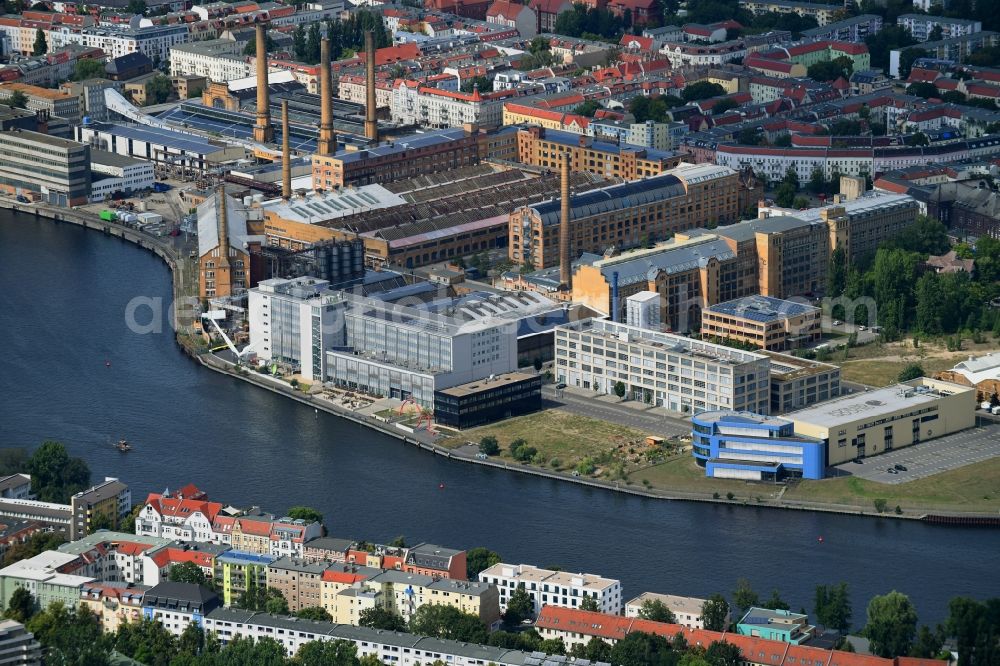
<point x="63" y="297"/>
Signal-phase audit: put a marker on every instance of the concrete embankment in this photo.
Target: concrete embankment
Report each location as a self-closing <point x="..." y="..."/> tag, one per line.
<point x="183" y="285"/>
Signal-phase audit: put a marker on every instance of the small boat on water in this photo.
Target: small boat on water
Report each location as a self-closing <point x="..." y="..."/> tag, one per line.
<point x="123" y="446"/>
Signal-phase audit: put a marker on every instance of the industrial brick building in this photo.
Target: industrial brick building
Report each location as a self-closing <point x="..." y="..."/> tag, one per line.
<point x="542" y="147"/>
<point x="627" y="215"/>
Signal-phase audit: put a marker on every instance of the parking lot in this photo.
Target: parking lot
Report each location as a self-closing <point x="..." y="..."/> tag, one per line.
<point x="931" y="457"/>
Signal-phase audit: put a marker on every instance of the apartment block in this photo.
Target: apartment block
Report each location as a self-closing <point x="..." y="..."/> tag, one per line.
<point x="763" y="321"/>
<point x="922" y="25"/>
<point x="627" y="215"/>
<point x="554" y="588"/>
<point x="822" y="13"/>
<point x="326" y="549"/>
<point x="686" y="610"/>
<point x="42" y="576"/>
<point x="18" y="646"/>
<point x="176" y="605"/>
<point x="39" y="166"/>
<point x="108" y="503"/>
<point x="114" y="604"/>
<point x="300" y="582"/>
<point x="542" y="147"/>
<point x="238" y="571"/>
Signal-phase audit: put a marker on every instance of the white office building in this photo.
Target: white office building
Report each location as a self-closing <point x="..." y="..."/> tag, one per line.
<point x="642" y="310"/>
<point x="294" y="322"/>
<point x="111" y="173"/>
<point x="671" y="371"/>
<point x="409" y="352"/>
<point x="554" y="588"/>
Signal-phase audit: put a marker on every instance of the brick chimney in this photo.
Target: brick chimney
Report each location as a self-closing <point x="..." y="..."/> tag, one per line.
<point x="327" y="144"/>
<point x="565" y="269"/>
<point x="286" y="154"/>
<point x="262" y="130"/>
<point x="371" y="125"/>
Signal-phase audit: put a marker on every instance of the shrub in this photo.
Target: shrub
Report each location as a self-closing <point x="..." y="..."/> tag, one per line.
<point x="880" y="504"/>
<point x="715" y="495"/>
<point x="899" y="512"/>
<point x="730" y="496"/>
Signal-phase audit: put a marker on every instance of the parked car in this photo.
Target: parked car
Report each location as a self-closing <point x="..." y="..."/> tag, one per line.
<point x="892" y="470"/>
<point x="837" y="322"/>
<point x="560" y="386"/>
<point x="901" y="468"/>
<point x="858" y="461"/>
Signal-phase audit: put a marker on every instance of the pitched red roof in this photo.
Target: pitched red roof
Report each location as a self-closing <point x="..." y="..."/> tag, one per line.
<point x="755" y="650"/>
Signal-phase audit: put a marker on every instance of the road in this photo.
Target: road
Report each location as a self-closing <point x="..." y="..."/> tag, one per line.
<point x="652" y="419"/>
<point x="864" y="337"/>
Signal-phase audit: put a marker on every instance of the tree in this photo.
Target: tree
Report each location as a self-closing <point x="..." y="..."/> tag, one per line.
<point x="831" y="70"/>
<point x="721" y="653"/>
<point x="158" y="89"/>
<point x="379" y="617"/>
<point x="590" y="604"/>
<point x="13" y="460"/>
<point x="520" y="607"/>
<point x="449" y="623"/>
<point x="641" y="649"/>
<point x="40" y="47"/>
<point x="922" y="89"/>
<point x="87" y="68"/>
<point x="317" y="613"/>
<point x="910" y="372"/>
<point x="892" y="624"/>
<point x="620" y="389"/>
<point x="926" y="235"/>
<point x="187" y="572"/>
<point x="832" y="607"/>
<point x="715" y="613"/>
<point x="657" y="611"/>
<point x="724" y="105"/>
<point x="906" y="60"/>
<point x="39" y="542"/>
<point x="146" y="641"/>
<point x="520" y="451"/>
<point x="136" y="7"/>
<point x="776" y="602"/>
<point x="702" y="90"/>
<point x="73" y="634"/>
<point x="489" y="445"/>
<point x="479" y="559"/>
<point x="594" y="650"/>
<point x="269" y="45"/>
<point x="17" y="100"/>
<point x="240" y="651"/>
<point x="928" y="644"/>
<point x="54" y="475"/>
<point x="298" y="42"/>
<point x="480" y="82"/>
<point x="552" y="646"/>
<point x="588" y="108"/>
<point x="398" y="542"/>
<point x="276" y="604"/>
<point x="327" y="653"/>
<point x="21" y="606"/>
<point x="837" y="273"/>
<point x="975" y="627"/>
<point x="306" y="513"/>
<point x="743" y="596"/>
<point x="935" y="34"/>
<point x="784" y="195"/>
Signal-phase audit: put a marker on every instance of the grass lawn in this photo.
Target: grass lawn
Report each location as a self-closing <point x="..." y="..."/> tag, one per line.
<point x="681" y="473"/>
<point x="567" y="438"/>
<point x="971" y="488"/>
<point x="882" y="373"/>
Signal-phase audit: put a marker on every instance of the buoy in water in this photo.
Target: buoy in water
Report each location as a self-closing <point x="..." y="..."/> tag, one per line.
<point x="107" y="364"/>
<point x="440" y="486"/>
<point x="820" y="539"/>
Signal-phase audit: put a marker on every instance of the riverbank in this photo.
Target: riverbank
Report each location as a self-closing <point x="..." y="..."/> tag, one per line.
<point x="168" y="252"/>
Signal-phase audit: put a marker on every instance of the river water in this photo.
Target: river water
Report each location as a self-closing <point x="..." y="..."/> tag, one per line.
<point x="64" y="292"/>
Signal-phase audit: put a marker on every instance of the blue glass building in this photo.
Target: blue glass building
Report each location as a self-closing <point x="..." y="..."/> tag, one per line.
<point x="744" y="445"/>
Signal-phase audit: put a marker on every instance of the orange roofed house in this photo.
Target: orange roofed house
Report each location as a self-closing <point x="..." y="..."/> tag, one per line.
<point x="576" y="627"/>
